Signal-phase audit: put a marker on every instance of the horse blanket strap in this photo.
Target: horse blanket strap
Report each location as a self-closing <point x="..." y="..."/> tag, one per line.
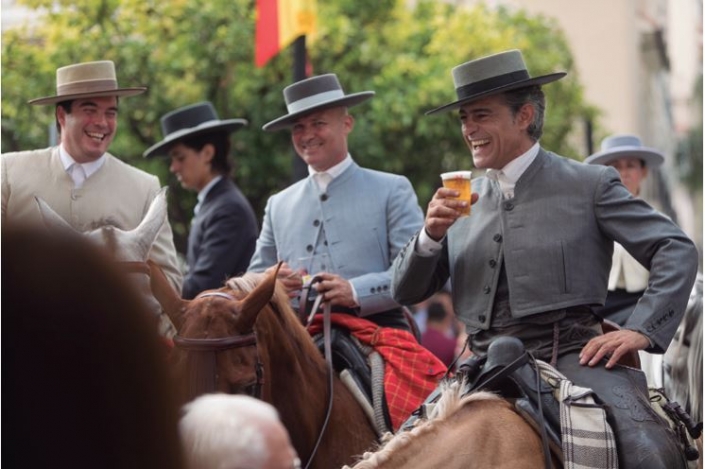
<point x="587" y="437"/>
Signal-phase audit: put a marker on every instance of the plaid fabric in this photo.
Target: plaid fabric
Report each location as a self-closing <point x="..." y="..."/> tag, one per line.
<point x="411" y="372"/>
<point x="587" y="438"/>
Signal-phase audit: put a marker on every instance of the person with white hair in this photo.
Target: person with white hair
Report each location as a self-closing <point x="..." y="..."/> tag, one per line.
<point x="223" y="431"/>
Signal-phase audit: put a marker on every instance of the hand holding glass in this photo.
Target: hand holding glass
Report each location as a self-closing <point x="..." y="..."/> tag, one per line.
<point x="459" y="181"/>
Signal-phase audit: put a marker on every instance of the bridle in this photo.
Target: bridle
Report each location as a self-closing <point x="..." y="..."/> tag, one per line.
<point x="209" y="347"/>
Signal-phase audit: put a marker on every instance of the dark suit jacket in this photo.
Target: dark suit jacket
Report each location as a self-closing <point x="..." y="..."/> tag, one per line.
<point x="222" y="239"/>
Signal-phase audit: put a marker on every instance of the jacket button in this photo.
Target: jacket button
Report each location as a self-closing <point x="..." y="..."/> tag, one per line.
<point x="508" y="206"/>
<point x="324" y="197"/>
<point x="309" y="248"/>
<point x="492" y="263"/>
<point x="497" y="238"/>
<point x="486" y="289"/>
<point x="372" y="290"/>
<point x="316" y="222"/>
<point x="75" y="196"/>
<point x="481" y="318"/>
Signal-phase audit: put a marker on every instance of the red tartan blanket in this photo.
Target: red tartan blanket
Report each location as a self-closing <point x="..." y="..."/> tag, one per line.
<point x="411" y="372"/>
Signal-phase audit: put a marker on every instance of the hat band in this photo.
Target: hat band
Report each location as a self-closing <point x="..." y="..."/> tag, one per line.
<point x="487" y="84"/>
<point x="86" y="87"/>
<point x="310" y="101"/>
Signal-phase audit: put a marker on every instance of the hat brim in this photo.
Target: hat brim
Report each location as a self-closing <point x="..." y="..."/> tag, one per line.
<point x="347" y="101"/>
<point x="120" y="93"/>
<point x="650" y="156"/>
<point x="162" y="148"/>
<point x="541" y="80"/>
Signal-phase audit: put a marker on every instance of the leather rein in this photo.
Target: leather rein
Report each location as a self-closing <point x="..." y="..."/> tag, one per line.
<point x="224" y="343"/>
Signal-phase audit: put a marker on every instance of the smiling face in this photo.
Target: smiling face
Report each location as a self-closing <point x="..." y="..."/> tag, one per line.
<point x="321" y="138"/>
<point x="192" y="167"/>
<point x="632" y="171"/>
<point x="494" y="135"/>
<point x="88" y="130"/>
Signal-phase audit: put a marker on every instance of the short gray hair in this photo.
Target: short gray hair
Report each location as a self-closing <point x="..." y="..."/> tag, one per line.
<point x="532" y="95"/>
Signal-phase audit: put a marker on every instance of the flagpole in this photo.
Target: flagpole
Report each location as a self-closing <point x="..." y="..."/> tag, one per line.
<point x="299" y="168"/>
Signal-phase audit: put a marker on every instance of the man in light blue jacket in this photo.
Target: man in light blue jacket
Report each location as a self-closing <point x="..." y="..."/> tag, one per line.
<point x="343" y="223"/>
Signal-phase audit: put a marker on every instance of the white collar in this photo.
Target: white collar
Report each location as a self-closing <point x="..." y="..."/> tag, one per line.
<point x="336" y="170"/>
<point x="90" y="168"/>
<point x="204" y="192"/>
<point x="513" y="170"/>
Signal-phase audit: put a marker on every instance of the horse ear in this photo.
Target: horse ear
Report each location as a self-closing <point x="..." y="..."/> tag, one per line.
<point x="148" y="229"/>
<point x="253" y="303"/>
<point x="172" y="304"/>
<point x="52" y="219"/>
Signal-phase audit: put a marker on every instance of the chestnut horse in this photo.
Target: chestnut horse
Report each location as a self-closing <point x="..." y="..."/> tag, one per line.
<point x="246" y="338"/>
<point x="477" y="431"/>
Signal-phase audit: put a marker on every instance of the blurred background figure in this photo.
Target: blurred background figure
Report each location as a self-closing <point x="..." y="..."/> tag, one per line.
<point x="85" y="372"/>
<point x="224" y="431"/>
<point x="440" y="336"/>
<point x="628" y="279"/>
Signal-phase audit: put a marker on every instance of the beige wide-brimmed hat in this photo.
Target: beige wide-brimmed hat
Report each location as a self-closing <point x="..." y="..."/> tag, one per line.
<point x="491" y="75"/>
<point x="619" y="146"/>
<point x="312" y="94"/>
<point x="87" y="80"/>
<point x="189" y="121"/>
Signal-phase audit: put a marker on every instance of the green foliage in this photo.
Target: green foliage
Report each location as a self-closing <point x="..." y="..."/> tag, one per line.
<point x="187" y="51"/>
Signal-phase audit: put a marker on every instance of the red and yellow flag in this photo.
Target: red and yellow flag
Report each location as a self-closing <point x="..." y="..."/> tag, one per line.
<point x="278" y="23"/>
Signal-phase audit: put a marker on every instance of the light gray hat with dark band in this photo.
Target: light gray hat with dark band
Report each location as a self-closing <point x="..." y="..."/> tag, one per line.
<point x="312" y="94"/>
<point x="619" y="146"/>
<point x="189" y="121"/>
<point x="87" y="80"/>
<point x="491" y="75"/>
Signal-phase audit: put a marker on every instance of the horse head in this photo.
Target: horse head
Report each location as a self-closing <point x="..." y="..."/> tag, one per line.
<point x="130" y="248"/>
<point x="217" y="321"/>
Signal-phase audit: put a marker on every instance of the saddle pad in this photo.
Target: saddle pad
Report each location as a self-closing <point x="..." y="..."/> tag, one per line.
<point x="411" y="372"/>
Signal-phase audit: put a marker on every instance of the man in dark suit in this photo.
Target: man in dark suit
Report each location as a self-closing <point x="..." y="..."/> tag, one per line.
<point x="224" y="229"/>
<point x="535" y="253"/>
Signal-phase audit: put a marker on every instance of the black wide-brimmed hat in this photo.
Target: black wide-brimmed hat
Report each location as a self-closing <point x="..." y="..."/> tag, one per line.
<point x="87" y="80"/>
<point x="312" y="94"/>
<point x="491" y="75"/>
<point x="189" y="121"/>
<point x="615" y="147"/>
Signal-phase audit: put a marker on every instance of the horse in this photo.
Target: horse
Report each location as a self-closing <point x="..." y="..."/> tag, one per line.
<point x="129" y="248"/>
<point x="246" y="338"/>
<point x="478" y="430"/>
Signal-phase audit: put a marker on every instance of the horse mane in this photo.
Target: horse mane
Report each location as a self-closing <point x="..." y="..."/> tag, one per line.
<point x="281" y="309"/>
<point x="451" y="401"/>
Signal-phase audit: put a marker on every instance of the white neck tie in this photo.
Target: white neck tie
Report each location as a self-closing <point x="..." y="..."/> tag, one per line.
<point x="323" y="179"/>
<point x="78" y="174"/>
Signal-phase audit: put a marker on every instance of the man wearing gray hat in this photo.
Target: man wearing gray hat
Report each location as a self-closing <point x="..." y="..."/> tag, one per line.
<point x="534" y="256"/>
<point x="344" y="225"/>
<point x="224" y="227"/>
<point x="79" y="179"/>
<point x="628" y="279"/>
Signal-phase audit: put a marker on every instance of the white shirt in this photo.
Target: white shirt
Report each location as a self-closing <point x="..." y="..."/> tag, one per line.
<point x="204" y="192"/>
<point x="507" y="178"/>
<point x="323" y="178"/>
<point x="88" y="168"/>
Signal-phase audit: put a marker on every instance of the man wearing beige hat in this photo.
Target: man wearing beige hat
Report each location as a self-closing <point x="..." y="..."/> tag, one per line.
<point x="628" y="278"/>
<point x="79" y="179"/>
<point x="533" y="258"/>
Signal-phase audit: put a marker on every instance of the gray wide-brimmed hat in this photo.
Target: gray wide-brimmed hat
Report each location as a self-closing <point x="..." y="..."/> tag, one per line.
<point x="312" y="94"/>
<point x="87" y="80"/>
<point x="623" y="146"/>
<point x="190" y="121"/>
<point x="491" y="75"/>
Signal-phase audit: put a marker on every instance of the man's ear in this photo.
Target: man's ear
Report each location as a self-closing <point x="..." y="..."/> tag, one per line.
<point x="348" y="122"/>
<point x="208" y="152"/>
<point x="525" y="116"/>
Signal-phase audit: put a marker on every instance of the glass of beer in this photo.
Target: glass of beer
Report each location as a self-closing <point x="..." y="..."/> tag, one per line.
<point x="459" y="181"/>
